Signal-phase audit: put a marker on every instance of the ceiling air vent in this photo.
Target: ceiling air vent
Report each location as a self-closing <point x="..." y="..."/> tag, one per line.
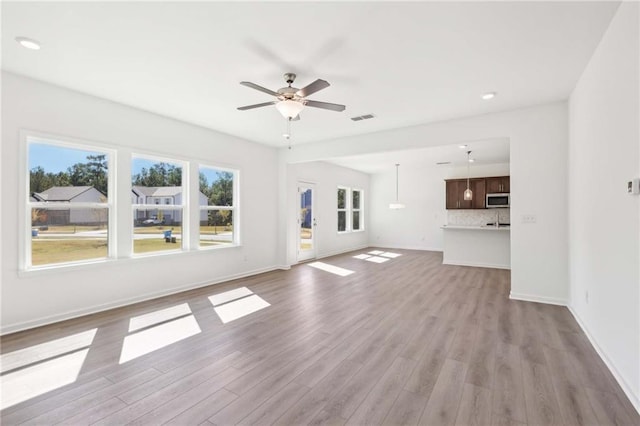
<point x="363" y="117"/>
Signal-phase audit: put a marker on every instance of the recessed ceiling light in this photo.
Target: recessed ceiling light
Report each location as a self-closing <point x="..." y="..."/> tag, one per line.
<point x="462" y="146"/>
<point x="489" y="95"/>
<point x="471" y="160"/>
<point x="28" y="43"/>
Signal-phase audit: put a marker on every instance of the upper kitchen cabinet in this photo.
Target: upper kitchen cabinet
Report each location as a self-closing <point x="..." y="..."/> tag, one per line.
<point x="497" y="184"/>
<point x="455" y="194"/>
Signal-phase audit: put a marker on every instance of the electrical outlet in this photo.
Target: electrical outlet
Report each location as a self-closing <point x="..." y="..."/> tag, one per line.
<point x="528" y="218"/>
<point x="586" y="296"/>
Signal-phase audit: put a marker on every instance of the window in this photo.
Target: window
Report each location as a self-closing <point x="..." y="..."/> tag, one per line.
<point x="218" y="204"/>
<point x="68" y="203"/>
<point x="356" y="210"/>
<point x="350" y="215"/>
<point x="69" y="213"/>
<point x="157" y="227"/>
<point x="342" y="209"/>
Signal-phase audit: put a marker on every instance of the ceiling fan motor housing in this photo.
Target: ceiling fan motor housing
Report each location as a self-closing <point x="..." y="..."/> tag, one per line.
<point x="288" y="92"/>
<point x="289" y="78"/>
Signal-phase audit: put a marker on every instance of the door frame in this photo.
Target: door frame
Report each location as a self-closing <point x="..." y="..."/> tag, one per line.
<point x="304" y="255"/>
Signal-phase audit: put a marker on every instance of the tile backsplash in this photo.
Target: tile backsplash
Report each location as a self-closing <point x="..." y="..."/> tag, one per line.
<point x="477" y="217"/>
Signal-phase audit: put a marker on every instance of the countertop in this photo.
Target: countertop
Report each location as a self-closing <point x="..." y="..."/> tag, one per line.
<point x="477" y="227"/>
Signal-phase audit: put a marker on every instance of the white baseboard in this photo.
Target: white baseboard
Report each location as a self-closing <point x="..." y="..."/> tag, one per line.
<point x="537" y="299"/>
<point x="635" y="399"/>
<point x="477" y="265"/>
<point x="13" y="328"/>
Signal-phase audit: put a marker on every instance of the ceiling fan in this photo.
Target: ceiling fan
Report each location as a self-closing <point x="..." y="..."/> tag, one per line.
<point x="291" y="100"/>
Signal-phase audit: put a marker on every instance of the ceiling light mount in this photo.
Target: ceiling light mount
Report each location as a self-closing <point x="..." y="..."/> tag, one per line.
<point x="489" y="95"/>
<point x="28" y="43"/>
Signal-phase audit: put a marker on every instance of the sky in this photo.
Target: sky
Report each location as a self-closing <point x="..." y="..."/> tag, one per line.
<point x="57" y="159"/>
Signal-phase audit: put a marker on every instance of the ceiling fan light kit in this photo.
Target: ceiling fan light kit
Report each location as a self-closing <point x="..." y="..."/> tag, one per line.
<point x="290" y="101"/>
<point x="289" y="108"/>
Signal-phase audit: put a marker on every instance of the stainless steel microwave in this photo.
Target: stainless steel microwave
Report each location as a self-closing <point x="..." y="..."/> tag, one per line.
<point x="495" y="201"/>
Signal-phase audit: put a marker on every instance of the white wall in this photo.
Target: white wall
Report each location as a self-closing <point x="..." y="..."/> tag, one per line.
<point x="34" y="298"/>
<point x="422" y="189"/>
<point x="538" y="154"/>
<point x="326" y="177"/>
<point x="604" y="222"/>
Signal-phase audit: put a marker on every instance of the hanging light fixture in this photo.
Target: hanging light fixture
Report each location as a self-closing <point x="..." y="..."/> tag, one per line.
<point x="289" y="108"/>
<point x="468" y="194"/>
<point x="397" y="204"/>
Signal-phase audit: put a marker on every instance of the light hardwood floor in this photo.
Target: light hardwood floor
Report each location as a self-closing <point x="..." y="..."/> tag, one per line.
<point x="408" y="341"/>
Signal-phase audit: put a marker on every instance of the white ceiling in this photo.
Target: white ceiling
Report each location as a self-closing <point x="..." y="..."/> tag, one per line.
<point x="484" y="152"/>
<point x="407" y="63"/>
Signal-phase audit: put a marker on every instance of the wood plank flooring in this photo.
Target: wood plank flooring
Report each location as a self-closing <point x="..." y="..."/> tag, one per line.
<point x="408" y="341"/>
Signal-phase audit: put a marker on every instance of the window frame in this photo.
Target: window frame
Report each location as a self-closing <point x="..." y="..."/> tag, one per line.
<point x="360" y="210"/>
<point x="346" y="210"/>
<point x="25" y="261"/>
<point x="234" y="208"/>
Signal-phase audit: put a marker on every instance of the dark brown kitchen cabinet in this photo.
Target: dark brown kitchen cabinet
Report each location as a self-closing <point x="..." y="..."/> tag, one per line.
<point x="497" y="185"/>
<point x="455" y="194"/>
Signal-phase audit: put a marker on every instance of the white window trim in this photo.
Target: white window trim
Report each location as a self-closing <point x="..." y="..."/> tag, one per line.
<point x="346" y="209"/>
<point x="234" y="208"/>
<point x="24" y="243"/>
<point x="120" y="230"/>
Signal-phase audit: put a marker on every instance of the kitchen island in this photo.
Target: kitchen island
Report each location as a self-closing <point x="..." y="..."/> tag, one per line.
<point x="484" y="246"/>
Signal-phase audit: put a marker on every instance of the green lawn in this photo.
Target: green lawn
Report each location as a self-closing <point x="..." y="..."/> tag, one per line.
<point x="53" y="250"/>
<point x="45" y="252"/>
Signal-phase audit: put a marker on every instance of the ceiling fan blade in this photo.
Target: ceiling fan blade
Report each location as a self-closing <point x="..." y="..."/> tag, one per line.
<point x="244" y="108"/>
<point x="260" y="88"/>
<point x="312" y="88"/>
<point x="325" y="105"/>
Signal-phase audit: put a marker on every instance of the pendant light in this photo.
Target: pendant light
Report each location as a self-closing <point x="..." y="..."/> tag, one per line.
<point x="468" y="194"/>
<point x="397" y="204"/>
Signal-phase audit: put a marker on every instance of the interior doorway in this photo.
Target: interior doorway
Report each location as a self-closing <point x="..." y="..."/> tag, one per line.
<point x="306" y="221"/>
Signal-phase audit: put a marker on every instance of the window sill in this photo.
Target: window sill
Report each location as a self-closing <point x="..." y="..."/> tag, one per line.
<point x="78" y="266"/>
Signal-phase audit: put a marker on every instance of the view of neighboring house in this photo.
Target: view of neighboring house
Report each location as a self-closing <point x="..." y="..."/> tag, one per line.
<point x="71" y="194"/>
<point x="163" y="196"/>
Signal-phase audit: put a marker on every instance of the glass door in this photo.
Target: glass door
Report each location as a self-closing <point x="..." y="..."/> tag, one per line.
<point x="306" y="222"/>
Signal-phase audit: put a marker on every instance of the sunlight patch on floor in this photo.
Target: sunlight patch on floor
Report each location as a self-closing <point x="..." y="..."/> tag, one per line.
<point x="361" y="256"/>
<point x="154" y="338"/>
<point x="152" y="318"/>
<point x="42" y="351"/>
<point x="331" y="268"/>
<point x="240" y="308"/>
<point x="390" y="255"/>
<point x="228" y="296"/>
<point x="29" y="382"/>
<point x="376" y="252"/>
<point x="377" y="259"/>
